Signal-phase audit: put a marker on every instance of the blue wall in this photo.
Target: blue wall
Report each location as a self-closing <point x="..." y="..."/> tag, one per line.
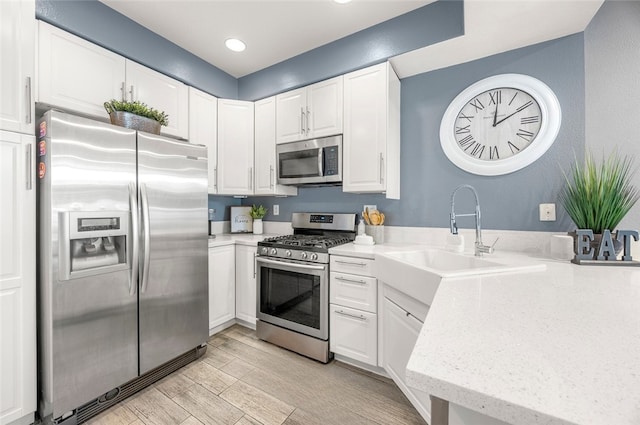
<point x="93" y="21"/>
<point x="508" y="202"/>
<point x="427" y="25"/>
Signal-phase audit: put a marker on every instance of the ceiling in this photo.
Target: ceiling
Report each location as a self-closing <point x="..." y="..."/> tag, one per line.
<point x="276" y="30"/>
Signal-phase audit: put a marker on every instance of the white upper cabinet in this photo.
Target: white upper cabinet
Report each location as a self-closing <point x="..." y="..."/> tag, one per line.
<point x="203" y="128"/>
<point x="162" y="93"/>
<point x="235" y="147"/>
<point x="77" y="75"/>
<point x="310" y="112"/>
<point x="17" y="277"/>
<point x="371" y="141"/>
<point x="17" y="43"/>
<point x="265" y="151"/>
<point x="80" y="76"/>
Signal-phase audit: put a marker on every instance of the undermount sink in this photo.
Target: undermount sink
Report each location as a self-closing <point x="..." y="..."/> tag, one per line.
<point x="418" y="272"/>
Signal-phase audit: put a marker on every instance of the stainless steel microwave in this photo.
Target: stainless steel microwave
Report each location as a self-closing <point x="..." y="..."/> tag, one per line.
<point x="314" y="162"/>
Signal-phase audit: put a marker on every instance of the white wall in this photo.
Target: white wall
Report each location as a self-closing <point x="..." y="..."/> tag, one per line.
<point x="612" y="86"/>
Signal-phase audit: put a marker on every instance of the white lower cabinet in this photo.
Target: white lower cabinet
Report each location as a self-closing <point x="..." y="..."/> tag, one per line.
<point x="222" y="286"/>
<point x="246" y="284"/>
<point x="353" y="319"/>
<point x="400" y="330"/>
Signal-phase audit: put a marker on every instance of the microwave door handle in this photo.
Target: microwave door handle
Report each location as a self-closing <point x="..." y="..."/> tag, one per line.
<point x="320" y="161"/>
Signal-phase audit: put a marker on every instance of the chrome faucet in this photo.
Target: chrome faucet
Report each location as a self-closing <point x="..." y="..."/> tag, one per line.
<point x="480" y="248"/>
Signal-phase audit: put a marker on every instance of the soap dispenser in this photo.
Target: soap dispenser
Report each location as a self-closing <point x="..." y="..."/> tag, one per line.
<point x="361" y="228"/>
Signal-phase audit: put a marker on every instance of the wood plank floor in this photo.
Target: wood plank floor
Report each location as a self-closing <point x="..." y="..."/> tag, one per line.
<point x="244" y="381"/>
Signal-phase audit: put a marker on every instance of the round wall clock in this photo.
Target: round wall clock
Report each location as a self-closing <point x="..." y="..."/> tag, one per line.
<point x="500" y="124"/>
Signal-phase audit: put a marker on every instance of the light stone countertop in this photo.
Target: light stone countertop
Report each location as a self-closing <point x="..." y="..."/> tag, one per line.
<point x="560" y="346"/>
<point x="238" y="238"/>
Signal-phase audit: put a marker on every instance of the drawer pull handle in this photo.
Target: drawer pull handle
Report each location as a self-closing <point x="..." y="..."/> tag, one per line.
<point x="350" y="263"/>
<point x="359" y="317"/>
<point x="344" y="279"/>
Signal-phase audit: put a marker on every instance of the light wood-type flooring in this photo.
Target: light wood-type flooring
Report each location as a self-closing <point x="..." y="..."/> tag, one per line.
<point x="244" y="381"/>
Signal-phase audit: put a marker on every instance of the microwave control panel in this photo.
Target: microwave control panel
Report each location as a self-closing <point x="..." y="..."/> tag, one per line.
<point x="331" y="161"/>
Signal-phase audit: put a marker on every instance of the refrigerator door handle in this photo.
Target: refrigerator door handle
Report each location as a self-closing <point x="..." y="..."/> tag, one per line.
<point x="144" y="203"/>
<point x="135" y="238"/>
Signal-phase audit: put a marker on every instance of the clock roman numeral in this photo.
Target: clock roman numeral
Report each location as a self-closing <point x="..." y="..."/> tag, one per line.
<point x="463" y="116"/>
<point x="529" y="120"/>
<point x="513" y="147"/>
<point x="464" y="129"/>
<point x="524" y="134"/>
<point x="466" y="142"/>
<point x="525" y="106"/>
<point x="493" y="152"/>
<point x="477" y="150"/>
<point x="477" y="104"/>
<point x="495" y="97"/>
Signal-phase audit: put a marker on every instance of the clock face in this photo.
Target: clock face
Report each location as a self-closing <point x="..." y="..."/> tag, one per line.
<point x="500" y="124"/>
<point x="497" y="124"/>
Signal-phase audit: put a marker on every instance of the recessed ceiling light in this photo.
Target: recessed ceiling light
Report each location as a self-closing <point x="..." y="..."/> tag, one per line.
<point x="235" y="44"/>
<point x="342" y="1"/>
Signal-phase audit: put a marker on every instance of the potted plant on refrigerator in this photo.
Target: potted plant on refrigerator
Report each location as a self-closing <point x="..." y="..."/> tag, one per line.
<point x="598" y="196"/>
<point x="257" y="213"/>
<point x="136" y="115"/>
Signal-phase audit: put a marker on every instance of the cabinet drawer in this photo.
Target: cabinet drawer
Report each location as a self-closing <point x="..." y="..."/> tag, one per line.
<point x="354" y="334"/>
<point x="353" y="291"/>
<point x="360" y="266"/>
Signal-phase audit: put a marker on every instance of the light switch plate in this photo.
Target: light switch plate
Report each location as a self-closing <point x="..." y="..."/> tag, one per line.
<point x="371" y="207"/>
<point x="547" y="212"/>
<point x="276" y="210"/>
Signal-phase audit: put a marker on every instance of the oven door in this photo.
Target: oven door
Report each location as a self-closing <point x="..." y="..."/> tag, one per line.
<point x="294" y="296"/>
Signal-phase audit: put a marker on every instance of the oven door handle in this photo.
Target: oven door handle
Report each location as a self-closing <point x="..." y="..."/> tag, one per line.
<point x="296" y="265"/>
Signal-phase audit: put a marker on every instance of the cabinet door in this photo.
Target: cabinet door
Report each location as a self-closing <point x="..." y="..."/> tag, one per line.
<point x="17" y="42"/>
<point x="265" y="151"/>
<point x="162" y="93"/>
<point x="365" y="129"/>
<point x="222" y="285"/>
<point x="400" y="334"/>
<point x="76" y="75"/>
<point x="203" y="128"/>
<point x="17" y="277"/>
<point x="235" y="147"/>
<point x="290" y="116"/>
<point x="354" y="334"/>
<point x="324" y="108"/>
<point x="246" y="284"/>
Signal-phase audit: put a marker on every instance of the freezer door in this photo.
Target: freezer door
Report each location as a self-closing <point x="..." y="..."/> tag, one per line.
<point x="86" y="289"/>
<point x="173" y="305"/>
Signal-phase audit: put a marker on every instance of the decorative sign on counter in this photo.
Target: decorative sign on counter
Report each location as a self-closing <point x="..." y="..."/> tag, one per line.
<point x="589" y="252"/>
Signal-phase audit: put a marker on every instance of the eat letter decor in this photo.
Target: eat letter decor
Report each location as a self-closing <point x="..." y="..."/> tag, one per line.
<point x="605" y="254"/>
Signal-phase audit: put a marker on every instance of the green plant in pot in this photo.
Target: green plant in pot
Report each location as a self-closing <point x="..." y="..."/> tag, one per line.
<point x="598" y="196"/>
<point x="257" y="213"/>
<point x="136" y="115"/>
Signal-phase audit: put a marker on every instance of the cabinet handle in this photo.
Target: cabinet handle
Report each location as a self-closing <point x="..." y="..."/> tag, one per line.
<point x="301" y="120"/>
<point x="381" y="168"/>
<point x="28" y="100"/>
<point x="254" y="264"/>
<point x="344" y="279"/>
<point x="123" y="90"/>
<point x="359" y="317"/>
<point x="250" y="178"/>
<point x="350" y="263"/>
<point x="215" y="178"/>
<point x="29" y="169"/>
<point x="131" y="92"/>
<point x="307" y="119"/>
<point x="272" y="180"/>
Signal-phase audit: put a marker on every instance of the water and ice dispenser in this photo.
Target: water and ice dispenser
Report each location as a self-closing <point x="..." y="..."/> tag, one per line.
<point x="93" y="242"/>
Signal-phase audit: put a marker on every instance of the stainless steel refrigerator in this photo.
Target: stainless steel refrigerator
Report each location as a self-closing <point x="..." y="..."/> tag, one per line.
<point x="122" y="262"/>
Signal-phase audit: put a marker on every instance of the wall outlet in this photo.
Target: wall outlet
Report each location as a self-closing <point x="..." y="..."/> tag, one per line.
<point x="276" y="210"/>
<point x="371" y="207"/>
<point x="547" y="212"/>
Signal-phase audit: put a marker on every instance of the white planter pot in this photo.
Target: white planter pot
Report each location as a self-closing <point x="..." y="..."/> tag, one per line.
<point x="257" y="226"/>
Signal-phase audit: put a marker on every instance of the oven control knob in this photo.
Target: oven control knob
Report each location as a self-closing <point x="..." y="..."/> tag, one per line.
<point x="273" y="251"/>
<point x="288" y="253"/>
<point x="314" y="256"/>
<point x="264" y="250"/>
<point x="303" y="255"/>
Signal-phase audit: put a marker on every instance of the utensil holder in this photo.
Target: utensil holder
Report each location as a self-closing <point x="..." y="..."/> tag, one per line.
<point x="376" y="232"/>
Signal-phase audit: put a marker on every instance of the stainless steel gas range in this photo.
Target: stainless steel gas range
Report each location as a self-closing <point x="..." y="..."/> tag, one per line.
<point x="293" y="282"/>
